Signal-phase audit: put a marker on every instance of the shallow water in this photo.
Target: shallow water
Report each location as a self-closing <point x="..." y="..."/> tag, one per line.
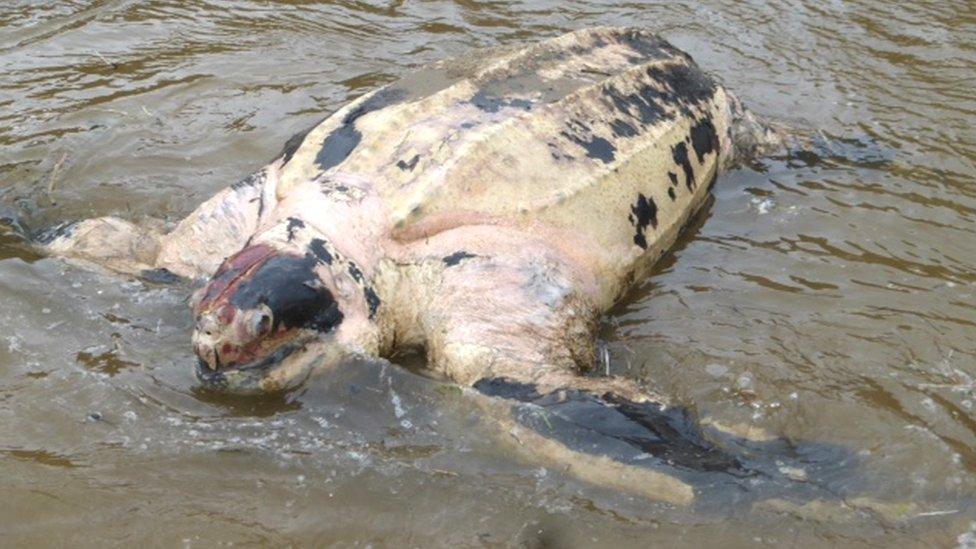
<point x="828" y="298"/>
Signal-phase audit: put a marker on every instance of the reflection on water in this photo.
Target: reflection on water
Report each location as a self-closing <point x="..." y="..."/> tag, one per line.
<point x="826" y="299"/>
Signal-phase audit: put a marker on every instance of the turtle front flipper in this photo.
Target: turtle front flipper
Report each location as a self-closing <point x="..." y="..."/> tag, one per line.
<point x="548" y="433"/>
<point x="591" y="417"/>
<point x="107" y="242"/>
<point x="193" y="249"/>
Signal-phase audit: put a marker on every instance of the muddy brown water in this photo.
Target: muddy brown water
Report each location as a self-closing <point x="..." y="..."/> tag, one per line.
<point x="829" y="299"/>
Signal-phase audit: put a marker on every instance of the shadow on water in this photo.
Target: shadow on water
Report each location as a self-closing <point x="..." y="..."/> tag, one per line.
<point x="264" y="405"/>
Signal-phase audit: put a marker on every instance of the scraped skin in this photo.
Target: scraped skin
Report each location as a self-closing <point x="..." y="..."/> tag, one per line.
<point x="487" y="210"/>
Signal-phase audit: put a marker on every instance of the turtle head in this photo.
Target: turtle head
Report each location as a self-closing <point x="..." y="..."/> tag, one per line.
<point x="751" y="138"/>
<point x="263" y="320"/>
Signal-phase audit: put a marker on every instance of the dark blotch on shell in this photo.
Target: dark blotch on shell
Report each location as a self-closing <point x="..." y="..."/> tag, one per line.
<point x="294" y="142"/>
<point x="622" y="129"/>
<point x="704" y="139"/>
<point x="679" y="153"/>
<point x="340" y="143"/>
<point x="643" y="213"/>
<point x="643" y="108"/>
<point x="596" y="147"/>
<point x="687" y="85"/>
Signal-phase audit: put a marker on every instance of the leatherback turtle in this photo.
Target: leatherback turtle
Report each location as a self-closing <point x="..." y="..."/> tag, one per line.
<point x="486" y="210"/>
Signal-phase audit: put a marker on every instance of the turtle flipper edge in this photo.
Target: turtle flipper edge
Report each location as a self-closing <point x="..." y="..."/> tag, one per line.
<point x="194" y="248"/>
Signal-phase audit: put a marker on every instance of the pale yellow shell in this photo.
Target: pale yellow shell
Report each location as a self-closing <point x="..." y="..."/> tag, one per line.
<point x="575" y="137"/>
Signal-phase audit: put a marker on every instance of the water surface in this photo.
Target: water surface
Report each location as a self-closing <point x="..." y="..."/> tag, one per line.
<point x="827" y="299"/>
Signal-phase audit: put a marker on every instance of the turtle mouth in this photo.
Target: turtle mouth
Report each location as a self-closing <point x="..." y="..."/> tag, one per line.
<point x="246" y="377"/>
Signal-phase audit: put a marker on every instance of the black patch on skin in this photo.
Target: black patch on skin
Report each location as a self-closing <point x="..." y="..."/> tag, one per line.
<point x="355" y="273"/>
<point x="674" y="179"/>
<point x="492" y="104"/>
<point x="679" y="153"/>
<point x="408" y="166"/>
<point x="596" y="147"/>
<point x="317" y="248"/>
<point x="587" y="422"/>
<point x="293" y="225"/>
<point x="289" y="287"/>
<point x="456" y="258"/>
<point x="372" y="301"/>
<point x="704" y="139"/>
<point x="643" y="213"/>
<point x="49" y="235"/>
<point x="295" y="142"/>
<point x="161" y="275"/>
<point x="340" y="143"/>
<point x="671" y="194"/>
<point x="260" y="200"/>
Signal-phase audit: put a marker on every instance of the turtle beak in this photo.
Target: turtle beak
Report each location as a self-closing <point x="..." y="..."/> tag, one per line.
<point x="205" y="341"/>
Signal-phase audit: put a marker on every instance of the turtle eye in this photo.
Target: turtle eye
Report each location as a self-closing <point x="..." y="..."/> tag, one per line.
<point x="260" y="323"/>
